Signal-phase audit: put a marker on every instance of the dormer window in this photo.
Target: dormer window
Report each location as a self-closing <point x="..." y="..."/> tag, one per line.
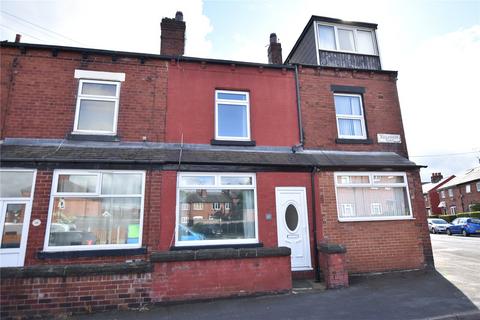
<point x="346" y="39"/>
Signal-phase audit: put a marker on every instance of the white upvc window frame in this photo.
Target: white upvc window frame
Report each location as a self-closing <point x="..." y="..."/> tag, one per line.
<point x="80" y="97"/>
<point x="450" y="193"/>
<point x="245" y="103"/>
<point x="355" y="37"/>
<point x="442" y="194"/>
<point x="478" y="186"/>
<point x="371" y="184"/>
<point x="351" y="117"/>
<point x="216" y="186"/>
<point x="97" y="194"/>
<point x="468" y="188"/>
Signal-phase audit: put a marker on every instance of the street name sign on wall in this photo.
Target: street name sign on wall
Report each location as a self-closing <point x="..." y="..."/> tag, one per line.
<point x="388" y="138"/>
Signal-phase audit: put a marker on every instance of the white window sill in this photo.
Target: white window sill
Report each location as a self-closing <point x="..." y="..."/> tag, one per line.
<point x="370" y="219"/>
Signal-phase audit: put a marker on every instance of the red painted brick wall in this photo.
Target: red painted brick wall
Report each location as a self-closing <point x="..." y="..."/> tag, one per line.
<point x="378" y="245"/>
<point x="33" y="297"/>
<point x="380" y="101"/>
<point x="191" y="93"/>
<point x="40" y="99"/>
<point x="220" y="278"/>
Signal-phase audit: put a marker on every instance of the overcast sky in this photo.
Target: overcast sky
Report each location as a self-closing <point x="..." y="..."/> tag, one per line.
<point x="435" y="46"/>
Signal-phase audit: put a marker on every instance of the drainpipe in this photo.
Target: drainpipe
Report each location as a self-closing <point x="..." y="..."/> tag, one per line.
<point x="297" y="90"/>
<point x="314" y="225"/>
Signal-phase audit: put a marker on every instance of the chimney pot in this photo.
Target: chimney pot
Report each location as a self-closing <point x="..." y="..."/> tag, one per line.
<point x="274" y="50"/>
<point x="273" y="38"/>
<point x="179" y="16"/>
<point x="436" y="177"/>
<point x="18" y="37"/>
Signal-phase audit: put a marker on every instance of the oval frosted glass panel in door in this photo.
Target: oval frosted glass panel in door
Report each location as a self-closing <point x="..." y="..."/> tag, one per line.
<point x="291" y="217"/>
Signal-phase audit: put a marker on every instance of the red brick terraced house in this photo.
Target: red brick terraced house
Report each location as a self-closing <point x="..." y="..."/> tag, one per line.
<point x="461" y="193"/>
<point x="430" y="194"/>
<point x="131" y="178"/>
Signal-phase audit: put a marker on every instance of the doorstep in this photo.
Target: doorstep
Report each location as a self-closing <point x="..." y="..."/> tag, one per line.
<point x="307" y="285"/>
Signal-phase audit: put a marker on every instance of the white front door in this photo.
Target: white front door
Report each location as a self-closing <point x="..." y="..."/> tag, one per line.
<point x="14" y="222"/>
<point x="292" y="225"/>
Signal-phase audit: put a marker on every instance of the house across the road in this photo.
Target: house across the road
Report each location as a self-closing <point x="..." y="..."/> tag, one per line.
<point x="461" y="194"/>
<point x="129" y="178"/>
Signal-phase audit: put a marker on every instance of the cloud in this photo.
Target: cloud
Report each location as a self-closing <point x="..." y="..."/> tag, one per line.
<point x="108" y="24"/>
<point x="438" y="90"/>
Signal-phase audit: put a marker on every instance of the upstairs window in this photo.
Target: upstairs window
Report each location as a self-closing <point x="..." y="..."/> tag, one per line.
<point x="468" y="188"/>
<point x="350" y="117"/>
<point x="232" y="115"/>
<point x="346" y="39"/>
<point x="450" y="193"/>
<point x="97" y="102"/>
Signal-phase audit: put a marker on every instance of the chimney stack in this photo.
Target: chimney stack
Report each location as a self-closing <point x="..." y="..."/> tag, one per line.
<point x="436" y="177"/>
<point x="172" y="40"/>
<point x="18" y="37"/>
<point x="274" y="50"/>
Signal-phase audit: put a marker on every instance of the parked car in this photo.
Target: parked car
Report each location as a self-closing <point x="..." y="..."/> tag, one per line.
<point x="438" y="225"/>
<point x="465" y="226"/>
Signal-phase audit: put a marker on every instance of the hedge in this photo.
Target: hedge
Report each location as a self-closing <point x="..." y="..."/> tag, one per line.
<point x="451" y="217"/>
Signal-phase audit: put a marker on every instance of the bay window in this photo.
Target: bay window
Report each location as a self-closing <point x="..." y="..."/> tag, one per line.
<point x="95" y="210"/>
<point x="372" y="196"/>
<point x="216" y="209"/>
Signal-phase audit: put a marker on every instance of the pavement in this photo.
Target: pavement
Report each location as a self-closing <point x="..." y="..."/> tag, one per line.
<point x="450" y="292"/>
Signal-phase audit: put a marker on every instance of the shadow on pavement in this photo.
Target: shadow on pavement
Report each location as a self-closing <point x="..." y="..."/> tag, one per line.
<point x="402" y="295"/>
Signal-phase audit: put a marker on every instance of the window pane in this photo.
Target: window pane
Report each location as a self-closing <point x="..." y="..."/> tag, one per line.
<point x="348" y="105"/>
<point x="95" y="221"/>
<point x="77" y="183"/>
<point x="197" y="180"/>
<point x="99" y="89"/>
<point x="13" y="225"/>
<point x="365" y="42"/>
<point x="232" y="96"/>
<point x="96" y="115"/>
<point x="388" y="179"/>
<point x="327" y="37"/>
<point x="352" y="179"/>
<point x="345" y="39"/>
<point x="225" y="214"/>
<point x="373" y="202"/>
<point x="15" y="184"/>
<point x="350" y="127"/>
<point x="232" y="120"/>
<point x="122" y="183"/>
<point x="225" y="180"/>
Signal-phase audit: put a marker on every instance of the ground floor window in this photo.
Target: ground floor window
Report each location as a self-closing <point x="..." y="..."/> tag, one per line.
<point x="95" y="210"/>
<point x="372" y="196"/>
<point x="216" y="209"/>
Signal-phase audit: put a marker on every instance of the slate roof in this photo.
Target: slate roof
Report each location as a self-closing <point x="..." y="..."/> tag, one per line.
<point x="38" y="151"/>
<point x="467" y="176"/>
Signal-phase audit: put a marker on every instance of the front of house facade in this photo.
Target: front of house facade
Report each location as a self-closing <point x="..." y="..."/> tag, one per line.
<point x="164" y="177"/>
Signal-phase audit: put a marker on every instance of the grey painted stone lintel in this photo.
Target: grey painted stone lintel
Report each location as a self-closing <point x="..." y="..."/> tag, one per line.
<point x="218" y="254"/>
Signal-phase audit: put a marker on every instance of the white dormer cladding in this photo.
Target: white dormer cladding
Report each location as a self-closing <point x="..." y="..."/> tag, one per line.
<point x="345" y="38"/>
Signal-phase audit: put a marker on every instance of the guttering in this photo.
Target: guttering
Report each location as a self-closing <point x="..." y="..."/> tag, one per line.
<point x="314" y="225"/>
<point x="299" y="111"/>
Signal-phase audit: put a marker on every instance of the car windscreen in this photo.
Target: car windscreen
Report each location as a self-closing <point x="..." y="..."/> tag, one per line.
<point x="439" y="221"/>
<point x="476" y="221"/>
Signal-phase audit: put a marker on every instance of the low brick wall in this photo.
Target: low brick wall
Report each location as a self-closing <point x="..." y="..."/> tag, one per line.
<point x="212" y="274"/>
<point x="169" y="276"/>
